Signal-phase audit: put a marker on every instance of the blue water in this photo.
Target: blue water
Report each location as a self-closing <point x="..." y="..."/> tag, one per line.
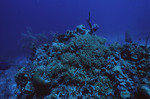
<point x="115" y="17"/>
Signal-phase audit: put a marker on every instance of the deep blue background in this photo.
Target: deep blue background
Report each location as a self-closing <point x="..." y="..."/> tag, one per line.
<point x="115" y="17"/>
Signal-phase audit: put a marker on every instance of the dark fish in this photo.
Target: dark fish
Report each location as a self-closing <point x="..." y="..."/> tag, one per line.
<point x="4" y="65"/>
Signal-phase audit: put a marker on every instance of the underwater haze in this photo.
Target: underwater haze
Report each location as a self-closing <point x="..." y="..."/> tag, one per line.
<point x="114" y="17"/>
<point x="74" y="49"/>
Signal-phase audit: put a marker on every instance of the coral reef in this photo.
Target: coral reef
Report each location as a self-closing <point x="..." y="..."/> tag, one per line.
<point x="79" y="65"/>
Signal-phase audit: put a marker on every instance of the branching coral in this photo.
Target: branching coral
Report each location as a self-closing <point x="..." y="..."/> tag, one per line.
<point x="93" y="28"/>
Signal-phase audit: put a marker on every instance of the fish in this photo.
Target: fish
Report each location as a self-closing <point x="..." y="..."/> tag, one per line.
<point x="4" y="65"/>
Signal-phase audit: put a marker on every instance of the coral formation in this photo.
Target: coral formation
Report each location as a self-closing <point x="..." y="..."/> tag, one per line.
<point x="79" y="65"/>
<point x="94" y="27"/>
